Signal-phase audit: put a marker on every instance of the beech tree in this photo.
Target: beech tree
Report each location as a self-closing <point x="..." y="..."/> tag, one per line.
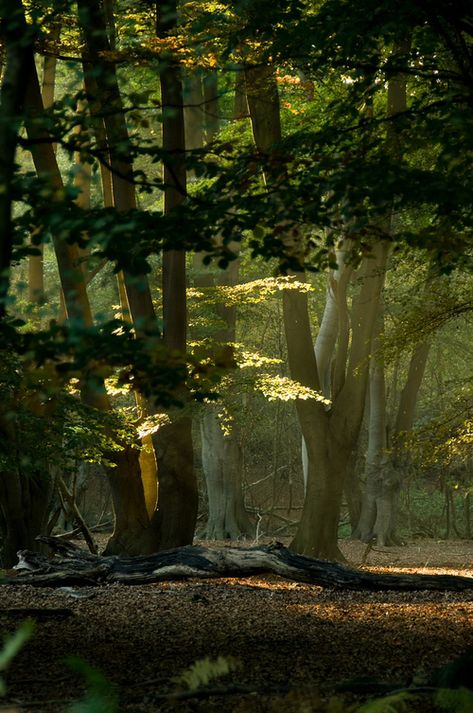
<point x="318" y="189"/>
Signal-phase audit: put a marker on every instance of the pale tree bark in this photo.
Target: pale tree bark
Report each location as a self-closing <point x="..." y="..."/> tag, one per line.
<point x="221" y="453"/>
<point x="194" y="116"/>
<point x="322" y="506"/>
<point x="408" y="399"/>
<point x="222" y="460"/>
<point x="211" y="105"/>
<point x="222" y="465"/>
<point x="382" y="478"/>
<point x="374" y="516"/>
<point x="201" y="108"/>
<point x="330" y="435"/>
<point x="36" y="262"/>
<point x="384" y="471"/>
<point x="240" y="104"/>
<point x="334" y="329"/>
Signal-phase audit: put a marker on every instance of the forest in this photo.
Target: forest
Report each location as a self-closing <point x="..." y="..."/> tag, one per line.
<point x="236" y="355"/>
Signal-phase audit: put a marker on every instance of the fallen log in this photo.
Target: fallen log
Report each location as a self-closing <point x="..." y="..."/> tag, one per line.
<point x="72" y="566"/>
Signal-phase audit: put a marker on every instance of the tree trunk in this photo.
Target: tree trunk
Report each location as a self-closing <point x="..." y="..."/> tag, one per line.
<point x="24" y="496"/>
<point x="223" y="466"/>
<point x="240" y="105"/>
<point x="78" y="306"/>
<point x="222" y="460"/>
<point x="193" y="104"/>
<point x="148" y="465"/>
<point x="409" y="394"/>
<point x="334" y="328"/>
<point x="73" y="566"/>
<point x="211" y="105"/>
<point x="35" y="262"/>
<point x="19" y="43"/>
<point x="25" y="499"/>
<point x="176" y="516"/>
<point x="330" y="436"/>
<point x="173" y="522"/>
<point x="378" y="513"/>
<point x="104" y="99"/>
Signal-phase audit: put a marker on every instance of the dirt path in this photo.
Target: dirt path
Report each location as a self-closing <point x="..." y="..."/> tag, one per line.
<point x="283" y="636"/>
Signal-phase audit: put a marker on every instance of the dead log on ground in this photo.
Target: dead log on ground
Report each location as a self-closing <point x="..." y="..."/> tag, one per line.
<point x="73" y="566"/>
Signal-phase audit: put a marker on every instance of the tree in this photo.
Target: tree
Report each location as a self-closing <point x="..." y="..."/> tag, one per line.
<point x="315" y="190"/>
<point x="328" y="450"/>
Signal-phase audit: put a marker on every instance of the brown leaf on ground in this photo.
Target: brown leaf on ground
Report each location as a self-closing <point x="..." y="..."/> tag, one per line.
<point x="294" y="642"/>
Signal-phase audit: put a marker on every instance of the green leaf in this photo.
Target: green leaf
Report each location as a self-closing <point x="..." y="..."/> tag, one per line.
<point x="101" y="696"/>
<point x="205" y="670"/>
<point x="12" y="646"/>
<point x="15" y="642"/>
<point x="458" y="700"/>
<point x="396" y="703"/>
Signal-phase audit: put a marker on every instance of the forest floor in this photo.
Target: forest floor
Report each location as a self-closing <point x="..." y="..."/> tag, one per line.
<point x="292" y="643"/>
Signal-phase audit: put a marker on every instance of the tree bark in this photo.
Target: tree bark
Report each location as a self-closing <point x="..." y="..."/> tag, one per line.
<point x="193" y="104"/>
<point x="173" y="522"/>
<point x="377" y="518"/>
<point x="330" y="435"/>
<point x="19" y="45"/>
<point x="383" y="480"/>
<point x="222" y="460"/>
<point x="78" y="306"/>
<point x="104" y="99"/>
<point x="211" y="105"/>
<point x="76" y="567"/>
<point x="24" y="495"/>
<point x="176" y="516"/>
<point x="35" y="262"/>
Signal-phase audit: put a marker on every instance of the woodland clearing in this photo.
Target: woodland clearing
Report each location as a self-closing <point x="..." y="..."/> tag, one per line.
<point x="292" y="643"/>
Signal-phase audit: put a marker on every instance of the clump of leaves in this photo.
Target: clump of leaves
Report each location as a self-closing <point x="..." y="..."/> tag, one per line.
<point x="459" y="700"/>
<point x="395" y="703"/>
<point x="12" y="646"/>
<point x="203" y="671"/>
<point x="101" y="697"/>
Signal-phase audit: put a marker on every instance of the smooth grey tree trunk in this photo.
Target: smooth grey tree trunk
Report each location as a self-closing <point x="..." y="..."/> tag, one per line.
<point x="35" y="262"/>
<point x="382" y="477"/>
<point x="330" y="435"/>
<point x="222" y="461"/>
<point x="222" y="465"/>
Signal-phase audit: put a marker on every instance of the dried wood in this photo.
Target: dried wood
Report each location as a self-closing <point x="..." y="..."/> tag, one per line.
<point x="71" y="565"/>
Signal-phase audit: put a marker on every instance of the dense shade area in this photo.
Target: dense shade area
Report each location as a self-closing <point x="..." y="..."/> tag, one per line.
<point x="294" y="642"/>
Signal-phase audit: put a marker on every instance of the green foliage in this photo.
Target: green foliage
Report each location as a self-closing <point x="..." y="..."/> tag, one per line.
<point x="281" y="387"/>
<point x="395" y="703"/>
<point x="203" y="671"/>
<point x="36" y="407"/>
<point x="101" y="696"/>
<point x="331" y="177"/>
<point x="459" y="700"/>
<point x="12" y="645"/>
<point x="454" y="674"/>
